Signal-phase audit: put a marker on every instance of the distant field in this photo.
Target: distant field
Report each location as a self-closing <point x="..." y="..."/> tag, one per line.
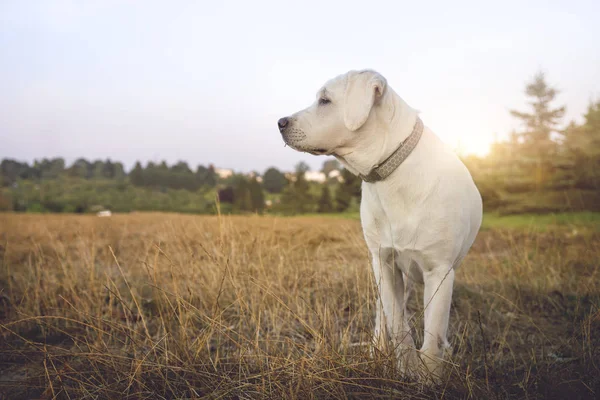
<point x="170" y="306"/>
<point x="521" y="221"/>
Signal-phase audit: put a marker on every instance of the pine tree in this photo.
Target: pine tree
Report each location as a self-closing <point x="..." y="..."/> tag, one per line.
<point x="543" y="121"/>
<point x="536" y="144"/>
<point x="582" y="144"/>
<point x="586" y="138"/>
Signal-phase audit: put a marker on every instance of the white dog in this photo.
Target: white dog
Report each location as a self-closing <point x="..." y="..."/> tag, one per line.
<point x="420" y="210"/>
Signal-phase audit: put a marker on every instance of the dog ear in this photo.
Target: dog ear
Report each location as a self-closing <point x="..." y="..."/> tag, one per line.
<point x="363" y="90"/>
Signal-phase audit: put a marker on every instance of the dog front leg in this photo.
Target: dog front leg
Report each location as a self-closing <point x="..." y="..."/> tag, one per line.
<point x="437" y="299"/>
<point x="391" y="318"/>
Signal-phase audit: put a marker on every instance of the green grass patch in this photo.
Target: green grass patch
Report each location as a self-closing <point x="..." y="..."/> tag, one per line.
<point x="522" y="221"/>
<point x="541" y="221"/>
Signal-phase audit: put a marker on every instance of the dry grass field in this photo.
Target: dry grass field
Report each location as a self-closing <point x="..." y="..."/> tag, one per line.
<point x="161" y="306"/>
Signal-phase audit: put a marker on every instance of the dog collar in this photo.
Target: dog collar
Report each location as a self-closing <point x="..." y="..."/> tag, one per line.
<point x="383" y="170"/>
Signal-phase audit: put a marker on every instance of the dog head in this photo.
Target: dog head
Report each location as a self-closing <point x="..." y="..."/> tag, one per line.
<point x="343" y="108"/>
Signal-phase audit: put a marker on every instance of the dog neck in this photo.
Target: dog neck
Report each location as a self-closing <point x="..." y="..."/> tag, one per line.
<point x="392" y="120"/>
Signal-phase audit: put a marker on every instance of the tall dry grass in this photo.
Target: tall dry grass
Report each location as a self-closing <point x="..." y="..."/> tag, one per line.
<point x="172" y="306"/>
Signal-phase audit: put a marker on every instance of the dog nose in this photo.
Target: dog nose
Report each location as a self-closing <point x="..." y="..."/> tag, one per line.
<point x="282" y="123"/>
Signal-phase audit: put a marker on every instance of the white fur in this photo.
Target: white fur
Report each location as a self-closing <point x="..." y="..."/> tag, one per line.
<point x="418" y="224"/>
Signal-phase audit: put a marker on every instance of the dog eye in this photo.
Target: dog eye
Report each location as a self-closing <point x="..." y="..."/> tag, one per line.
<point x="323" y="101"/>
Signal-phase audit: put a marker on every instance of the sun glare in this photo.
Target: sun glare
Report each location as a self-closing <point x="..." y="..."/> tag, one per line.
<point x="474" y="145"/>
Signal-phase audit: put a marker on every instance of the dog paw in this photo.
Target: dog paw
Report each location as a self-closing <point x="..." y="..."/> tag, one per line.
<point x="408" y="361"/>
<point x="432" y="367"/>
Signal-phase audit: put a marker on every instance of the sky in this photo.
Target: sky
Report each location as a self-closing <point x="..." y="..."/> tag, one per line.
<point x="205" y="81"/>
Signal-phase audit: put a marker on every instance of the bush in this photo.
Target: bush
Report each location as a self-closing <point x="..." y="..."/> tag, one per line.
<point x="5" y="203"/>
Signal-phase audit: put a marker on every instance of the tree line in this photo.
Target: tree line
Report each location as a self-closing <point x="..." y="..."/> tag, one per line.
<point x="543" y="167"/>
<point x="49" y="185"/>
